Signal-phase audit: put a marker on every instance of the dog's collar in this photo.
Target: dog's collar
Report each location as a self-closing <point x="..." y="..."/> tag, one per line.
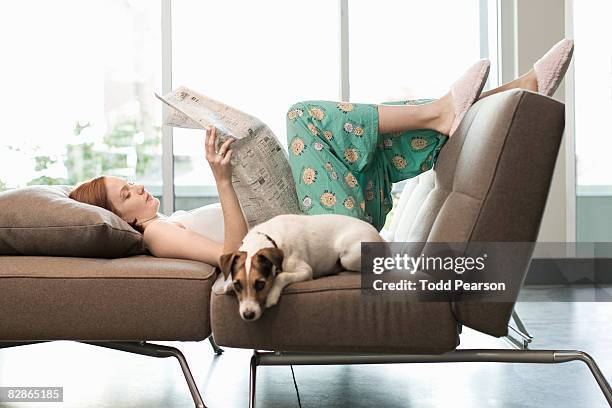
<point x="269" y="238"/>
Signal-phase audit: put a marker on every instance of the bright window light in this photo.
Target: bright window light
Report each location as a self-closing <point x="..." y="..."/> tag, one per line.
<point x="78" y="79"/>
<point x="593" y="96"/>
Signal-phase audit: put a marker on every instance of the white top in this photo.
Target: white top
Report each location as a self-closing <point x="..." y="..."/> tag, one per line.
<point x="206" y="220"/>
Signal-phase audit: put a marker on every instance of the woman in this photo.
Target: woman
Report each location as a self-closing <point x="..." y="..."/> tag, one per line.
<point x="176" y="237"/>
<point x="168" y="237"/>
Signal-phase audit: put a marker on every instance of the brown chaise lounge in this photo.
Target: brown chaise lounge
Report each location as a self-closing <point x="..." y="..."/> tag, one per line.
<point x="116" y="303"/>
<point x="490" y="184"/>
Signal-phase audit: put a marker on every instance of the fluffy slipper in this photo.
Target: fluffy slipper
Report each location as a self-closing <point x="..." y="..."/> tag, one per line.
<point x="467" y="89"/>
<point x="551" y="68"/>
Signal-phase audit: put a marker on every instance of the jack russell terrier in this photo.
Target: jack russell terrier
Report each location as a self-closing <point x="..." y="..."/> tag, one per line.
<point x="292" y="248"/>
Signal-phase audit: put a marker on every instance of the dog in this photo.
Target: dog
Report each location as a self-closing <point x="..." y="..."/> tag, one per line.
<point x="292" y="248"/>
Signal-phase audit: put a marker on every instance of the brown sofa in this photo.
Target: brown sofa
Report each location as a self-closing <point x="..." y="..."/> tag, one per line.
<point x="121" y="303"/>
<point x="490" y="184"/>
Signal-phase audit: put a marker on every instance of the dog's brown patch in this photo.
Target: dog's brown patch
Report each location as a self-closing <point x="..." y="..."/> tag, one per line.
<point x="262" y="273"/>
<point x="265" y="258"/>
<point x="232" y="261"/>
<point x="257" y="284"/>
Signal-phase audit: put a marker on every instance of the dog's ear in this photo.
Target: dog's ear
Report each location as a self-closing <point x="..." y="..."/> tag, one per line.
<point x="274" y="255"/>
<point x="226" y="263"/>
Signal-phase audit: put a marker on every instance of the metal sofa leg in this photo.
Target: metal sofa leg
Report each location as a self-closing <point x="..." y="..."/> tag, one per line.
<point x="519" y="337"/>
<point x="157" y="350"/>
<point x="456" y="356"/>
<point x="520" y="325"/>
<point x="7" y="344"/>
<point x="143" y="348"/>
<point x="218" y="350"/>
<point x="563" y="356"/>
<point x="253" y="378"/>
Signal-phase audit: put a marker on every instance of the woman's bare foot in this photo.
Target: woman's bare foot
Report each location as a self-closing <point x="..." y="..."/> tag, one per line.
<point x="528" y="81"/>
<point x="444" y="108"/>
<point x="444" y="114"/>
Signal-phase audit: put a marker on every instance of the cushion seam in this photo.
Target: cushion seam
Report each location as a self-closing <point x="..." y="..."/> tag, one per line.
<point x="78" y="226"/>
<point x="486" y="195"/>
<point x="461" y="149"/>
<point x="454" y="306"/>
<point x="450" y="190"/>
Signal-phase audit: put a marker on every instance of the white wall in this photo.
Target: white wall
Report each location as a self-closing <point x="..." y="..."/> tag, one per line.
<point x="540" y="24"/>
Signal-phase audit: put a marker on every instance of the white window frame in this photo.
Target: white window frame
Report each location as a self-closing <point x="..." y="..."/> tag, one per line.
<point x="488" y="42"/>
<point x="570" y="138"/>
<point x="167" y="133"/>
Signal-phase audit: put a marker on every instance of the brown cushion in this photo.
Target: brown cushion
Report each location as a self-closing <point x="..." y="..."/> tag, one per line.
<point x="43" y="220"/>
<point x="127" y="299"/>
<point x="491" y="185"/>
<point x="333" y="314"/>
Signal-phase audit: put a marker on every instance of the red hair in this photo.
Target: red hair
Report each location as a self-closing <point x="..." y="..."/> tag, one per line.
<point x="94" y="192"/>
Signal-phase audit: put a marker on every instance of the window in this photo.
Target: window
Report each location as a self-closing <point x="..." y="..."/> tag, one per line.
<point x="593" y="131"/>
<point x="78" y="92"/>
<point x="410" y="49"/>
<point x="259" y="57"/>
<point x="94" y="72"/>
<point x="593" y="97"/>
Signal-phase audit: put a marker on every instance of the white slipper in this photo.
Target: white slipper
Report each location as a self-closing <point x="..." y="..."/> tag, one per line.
<point x="551" y="68"/>
<point x="467" y="89"/>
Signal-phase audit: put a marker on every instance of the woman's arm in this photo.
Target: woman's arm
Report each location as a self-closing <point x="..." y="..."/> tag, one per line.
<point x="234" y="224"/>
<point x="167" y="240"/>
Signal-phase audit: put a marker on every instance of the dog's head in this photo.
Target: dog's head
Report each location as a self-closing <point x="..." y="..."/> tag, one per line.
<point x="252" y="277"/>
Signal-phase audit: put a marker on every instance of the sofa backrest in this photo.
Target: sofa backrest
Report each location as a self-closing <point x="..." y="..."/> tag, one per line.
<point x="489" y="184"/>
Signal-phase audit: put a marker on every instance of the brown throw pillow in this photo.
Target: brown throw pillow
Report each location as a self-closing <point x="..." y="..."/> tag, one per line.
<point x="43" y="220"/>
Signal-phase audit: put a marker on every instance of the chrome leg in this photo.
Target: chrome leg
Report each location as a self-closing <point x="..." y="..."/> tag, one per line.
<point x="160" y="351"/>
<point x="142" y="348"/>
<point x="7" y="344"/>
<point x="519" y="336"/>
<point x="253" y="378"/>
<point x="456" y="356"/>
<point x="520" y="325"/>
<point x="218" y="350"/>
<point x="563" y="356"/>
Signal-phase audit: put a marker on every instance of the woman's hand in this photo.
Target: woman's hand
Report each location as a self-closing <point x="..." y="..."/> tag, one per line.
<point x="234" y="224"/>
<point x="219" y="161"/>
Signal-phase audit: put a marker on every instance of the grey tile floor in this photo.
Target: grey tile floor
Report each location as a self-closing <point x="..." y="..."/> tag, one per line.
<point x="97" y="377"/>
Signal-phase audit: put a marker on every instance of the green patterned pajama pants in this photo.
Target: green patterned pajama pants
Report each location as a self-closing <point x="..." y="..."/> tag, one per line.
<point x="341" y="164"/>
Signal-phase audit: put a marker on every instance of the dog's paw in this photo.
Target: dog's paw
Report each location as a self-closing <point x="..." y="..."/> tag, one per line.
<point x="272" y="299"/>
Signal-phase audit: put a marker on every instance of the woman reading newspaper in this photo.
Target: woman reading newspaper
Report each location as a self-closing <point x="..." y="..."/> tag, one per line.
<point x="343" y="156"/>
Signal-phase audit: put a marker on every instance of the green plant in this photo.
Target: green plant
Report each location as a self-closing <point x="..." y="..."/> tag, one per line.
<point x="85" y="160"/>
<point x="43" y="162"/>
<point x="47" y="181"/>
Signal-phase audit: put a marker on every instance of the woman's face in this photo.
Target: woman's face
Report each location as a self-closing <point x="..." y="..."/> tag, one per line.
<point x="131" y="200"/>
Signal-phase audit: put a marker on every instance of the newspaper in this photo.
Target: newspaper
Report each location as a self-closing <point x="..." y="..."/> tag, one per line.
<point x="261" y="174"/>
